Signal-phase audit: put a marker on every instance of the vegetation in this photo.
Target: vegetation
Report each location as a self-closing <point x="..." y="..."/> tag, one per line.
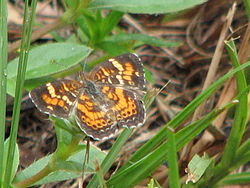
<point x="97" y="31"/>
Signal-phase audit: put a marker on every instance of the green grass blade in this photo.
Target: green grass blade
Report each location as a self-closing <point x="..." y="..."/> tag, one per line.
<point x="174" y="179"/>
<point x="148" y="163"/>
<point x="26" y="36"/>
<point x="113" y="153"/>
<point x="236" y="179"/>
<point x="228" y="162"/>
<point x="245" y="147"/>
<point x="180" y="117"/>
<point x="15" y="159"/>
<point x="241" y="111"/>
<point x="190" y="131"/>
<point x="3" y="72"/>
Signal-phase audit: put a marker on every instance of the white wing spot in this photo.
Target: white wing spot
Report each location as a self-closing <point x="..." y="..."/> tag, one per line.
<point x="118" y="66"/>
<point x="66" y="99"/>
<point x="111" y="59"/>
<point x="51" y="90"/>
<point x="119" y="77"/>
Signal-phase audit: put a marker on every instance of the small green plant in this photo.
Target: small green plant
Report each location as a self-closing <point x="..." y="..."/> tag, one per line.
<point x="95" y="20"/>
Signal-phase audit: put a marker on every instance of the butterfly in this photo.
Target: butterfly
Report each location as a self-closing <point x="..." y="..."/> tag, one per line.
<point x="109" y="98"/>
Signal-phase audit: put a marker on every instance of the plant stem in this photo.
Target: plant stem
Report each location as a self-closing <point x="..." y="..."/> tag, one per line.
<point x="29" y="181"/>
<point x="3" y="77"/>
<point x="50" y="167"/>
<point x="23" y="59"/>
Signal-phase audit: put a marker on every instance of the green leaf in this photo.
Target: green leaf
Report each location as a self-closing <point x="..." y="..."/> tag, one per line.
<point x="46" y="60"/>
<point x="15" y="158"/>
<point x="110" y="21"/>
<point x="146" y="39"/>
<point x="144" y="6"/>
<point x="197" y="167"/>
<point x="71" y="169"/>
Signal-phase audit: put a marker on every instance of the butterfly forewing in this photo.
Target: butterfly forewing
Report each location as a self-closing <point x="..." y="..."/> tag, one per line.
<point x="56" y="98"/>
<point x="124" y="70"/>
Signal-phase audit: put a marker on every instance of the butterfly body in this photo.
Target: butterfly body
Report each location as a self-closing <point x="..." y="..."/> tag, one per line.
<point x="107" y="99"/>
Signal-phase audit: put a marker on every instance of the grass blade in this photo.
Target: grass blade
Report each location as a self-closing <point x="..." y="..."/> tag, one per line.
<point x="179" y="118"/>
<point x="228" y="162"/>
<point x="148" y="163"/>
<point x="26" y="34"/>
<point x="241" y="111"/>
<point x="236" y="179"/>
<point x="3" y="76"/>
<point x="174" y="179"/>
<point x="110" y="158"/>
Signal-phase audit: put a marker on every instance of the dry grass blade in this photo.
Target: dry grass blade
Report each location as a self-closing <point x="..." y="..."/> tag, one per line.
<point x="211" y="75"/>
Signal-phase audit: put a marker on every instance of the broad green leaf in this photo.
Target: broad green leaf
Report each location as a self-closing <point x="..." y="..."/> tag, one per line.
<point x="145" y="6"/>
<point x="197" y="166"/>
<point x="15" y="158"/>
<point x="71" y="169"/>
<point x="46" y="60"/>
<point x="32" y="169"/>
<point x="146" y="39"/>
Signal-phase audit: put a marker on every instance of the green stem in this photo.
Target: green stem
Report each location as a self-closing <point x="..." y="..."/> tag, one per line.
<point x="29" y="181"/>
<point x="3" y="75"/>
<point x="23" y="59"/>
<point x="63" y="154"/>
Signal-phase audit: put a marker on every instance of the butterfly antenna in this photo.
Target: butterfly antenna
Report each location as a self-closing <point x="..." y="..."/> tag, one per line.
<point x="152" y="94"/>
<point x="163" y="87"/>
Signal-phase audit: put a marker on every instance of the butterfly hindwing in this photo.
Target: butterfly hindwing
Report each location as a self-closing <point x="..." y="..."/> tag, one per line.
<point x="124" y="70"/>
<point x="94" y="118"/>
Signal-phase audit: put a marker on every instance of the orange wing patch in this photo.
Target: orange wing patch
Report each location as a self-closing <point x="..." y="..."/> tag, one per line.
<point x="124" y="105"/>
<point x="91" y="115"/>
